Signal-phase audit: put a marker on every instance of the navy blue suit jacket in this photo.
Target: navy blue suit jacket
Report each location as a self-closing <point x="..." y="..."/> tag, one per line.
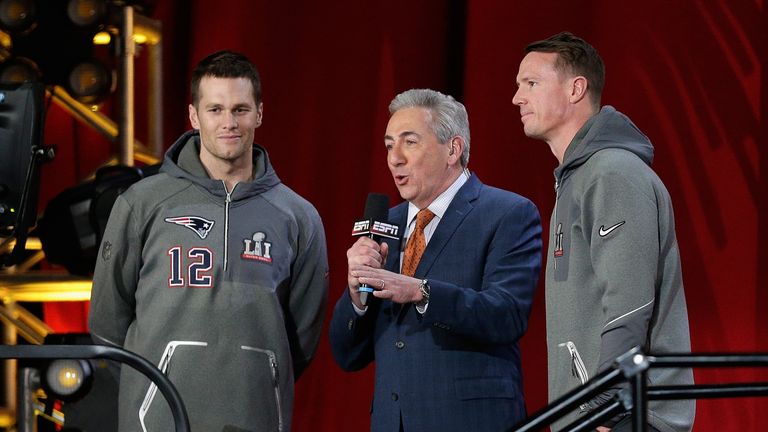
<point x="457" y="367"/>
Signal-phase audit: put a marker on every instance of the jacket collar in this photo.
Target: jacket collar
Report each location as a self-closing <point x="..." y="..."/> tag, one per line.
<point x="460" y="207"/>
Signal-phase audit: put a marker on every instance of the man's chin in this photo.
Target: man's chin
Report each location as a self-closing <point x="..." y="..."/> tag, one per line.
<point x="404" y="193"/>
<point x="533" y="134"/>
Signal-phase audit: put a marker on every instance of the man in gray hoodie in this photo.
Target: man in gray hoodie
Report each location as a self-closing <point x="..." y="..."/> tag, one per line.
<point x="613" y="276"/>
<point x="213" y="270"/>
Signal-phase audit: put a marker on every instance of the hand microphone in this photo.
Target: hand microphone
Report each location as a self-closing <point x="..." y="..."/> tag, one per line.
<point x="374" y="224"/>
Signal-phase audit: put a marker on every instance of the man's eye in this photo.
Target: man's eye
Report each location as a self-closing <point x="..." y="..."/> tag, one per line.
<point x="532" y="83"/>
<point x="410" y="142"/>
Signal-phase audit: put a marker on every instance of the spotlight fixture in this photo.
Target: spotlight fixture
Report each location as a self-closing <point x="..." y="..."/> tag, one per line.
<point x="21" y="129"/>
<point x="91" y="81"/>
<point x="68" y="380"/>
<point x="18" y="16"/>
<point x="57" y="37"/>
<point x="19" y="70"/>
<point x="85" y="13"/>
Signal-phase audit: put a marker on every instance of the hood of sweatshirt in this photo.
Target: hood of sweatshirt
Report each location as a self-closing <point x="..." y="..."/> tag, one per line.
<point x="607" y="129"/>
<point x="182" y="160"/>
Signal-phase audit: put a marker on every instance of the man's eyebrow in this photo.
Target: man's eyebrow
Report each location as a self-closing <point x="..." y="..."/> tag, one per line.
<point x="402" y="134"/>
<point x="524" y="79"/>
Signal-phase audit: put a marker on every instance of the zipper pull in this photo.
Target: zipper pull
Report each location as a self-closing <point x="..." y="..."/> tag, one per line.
<point x="275" y="372"/>
<point x="572" y="351"/>
<point x="229" y="194"/>
<point x="573" y="366"/>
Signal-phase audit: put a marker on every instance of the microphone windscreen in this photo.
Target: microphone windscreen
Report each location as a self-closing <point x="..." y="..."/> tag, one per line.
<point x="377" y="207"/>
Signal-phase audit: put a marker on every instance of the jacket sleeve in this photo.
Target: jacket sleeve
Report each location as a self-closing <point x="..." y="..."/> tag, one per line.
<point x="620" y="218"/>
<point x="352" y="335"/>
<point x="112" y="307"/>
<point x="308" y="294"/>
<point x="497" y="310"/>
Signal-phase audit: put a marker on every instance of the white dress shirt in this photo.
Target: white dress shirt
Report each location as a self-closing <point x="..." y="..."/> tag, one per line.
<point x="439" y="206"/>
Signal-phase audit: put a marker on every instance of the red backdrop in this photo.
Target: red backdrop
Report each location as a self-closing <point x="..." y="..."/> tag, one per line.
<point x="690" y="74"/>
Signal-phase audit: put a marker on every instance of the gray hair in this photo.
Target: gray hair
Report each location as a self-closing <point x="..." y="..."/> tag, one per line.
<point x="449" y="117"/>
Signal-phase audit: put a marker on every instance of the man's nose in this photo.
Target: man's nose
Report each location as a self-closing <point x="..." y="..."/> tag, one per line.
<point x="230" y="119"/>
<point x="395" y="156"/>
<point x="516" y="99"/>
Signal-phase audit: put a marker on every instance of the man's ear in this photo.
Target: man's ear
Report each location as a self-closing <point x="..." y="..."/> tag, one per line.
<point x="193" y="120"/>
<point x="259" y="114"/>
<point x="456" y="148"/>
<point x="579" y="87"/>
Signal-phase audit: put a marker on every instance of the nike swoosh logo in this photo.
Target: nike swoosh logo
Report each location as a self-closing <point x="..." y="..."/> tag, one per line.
<point x="605" y="231"/>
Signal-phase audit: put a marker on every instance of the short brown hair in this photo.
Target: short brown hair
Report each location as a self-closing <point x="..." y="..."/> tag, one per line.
<point x="225" y="64"/>
<point x="576" y="57"/>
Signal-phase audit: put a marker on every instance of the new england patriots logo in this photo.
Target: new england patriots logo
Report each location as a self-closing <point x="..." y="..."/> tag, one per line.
<point x="197" y="224"/>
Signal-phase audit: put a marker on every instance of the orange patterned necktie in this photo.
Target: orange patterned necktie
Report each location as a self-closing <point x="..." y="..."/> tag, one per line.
<point x="416" y="243"/>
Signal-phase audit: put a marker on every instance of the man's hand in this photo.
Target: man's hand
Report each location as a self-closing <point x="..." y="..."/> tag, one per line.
<point x="388" y="285"/>
<point x="365" y="254"/>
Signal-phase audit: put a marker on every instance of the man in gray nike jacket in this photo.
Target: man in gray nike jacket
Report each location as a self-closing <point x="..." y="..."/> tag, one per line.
<point x="613" y="278"/>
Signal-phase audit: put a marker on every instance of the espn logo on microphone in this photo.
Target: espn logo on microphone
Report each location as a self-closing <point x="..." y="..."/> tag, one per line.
<point x="372" y="227"/>
<point x="361" y="227"/>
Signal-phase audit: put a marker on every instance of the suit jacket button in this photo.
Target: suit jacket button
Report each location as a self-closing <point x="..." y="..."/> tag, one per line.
<point x="399" y="344"/>
<point x="351" y="323"/>
<point x="395" y="397"/>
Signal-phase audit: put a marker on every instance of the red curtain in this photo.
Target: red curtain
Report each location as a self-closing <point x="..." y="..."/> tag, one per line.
<point x="689" y="74"/>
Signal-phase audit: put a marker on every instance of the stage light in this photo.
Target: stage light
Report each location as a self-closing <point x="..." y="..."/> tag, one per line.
<point x="21" y="127"/>
<point x="86" y="13"/>
<point x="58" y="42"/>
<point x="91" y="82"/>
<point x="72" y="394"/>
<point x="18" y="16"/>
<point x="5" y="46"/>
<point x="19" y="70"/>
<point x="67" y="379"/>
<point x="74" y="221"/>
<point x="102" y="38"/>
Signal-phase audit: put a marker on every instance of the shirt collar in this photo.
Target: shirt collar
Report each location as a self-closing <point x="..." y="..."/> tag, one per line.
<point x="440" y="205"/>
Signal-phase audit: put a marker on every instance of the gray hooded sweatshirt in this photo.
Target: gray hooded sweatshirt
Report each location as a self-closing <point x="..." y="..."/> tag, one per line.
<point x="224" y="291"/>
<point x="613" y="277"/>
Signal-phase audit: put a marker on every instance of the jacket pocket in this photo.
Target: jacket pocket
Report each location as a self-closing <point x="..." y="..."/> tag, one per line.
<point x="578" y="369"/>
<point x="271" y="358"/>
<point x="164" y="366"/>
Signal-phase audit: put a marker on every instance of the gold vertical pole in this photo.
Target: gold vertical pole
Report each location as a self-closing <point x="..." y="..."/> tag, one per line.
<point x="9" y="371"/>
<point x="126" y="84"/>
<point x="155" y="100"/>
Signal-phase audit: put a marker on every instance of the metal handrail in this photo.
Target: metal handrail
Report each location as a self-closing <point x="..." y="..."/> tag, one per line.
<point x="137" y="362"/>
<point x="632" y="367"/>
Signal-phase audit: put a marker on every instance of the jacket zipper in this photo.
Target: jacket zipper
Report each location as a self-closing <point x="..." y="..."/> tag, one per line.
<point x="275" y="380"/>
<point x="553" y="228"/>
<point x="226" y="221"/>
<point x="578" y="369"/>
<point x="577" y="364"/>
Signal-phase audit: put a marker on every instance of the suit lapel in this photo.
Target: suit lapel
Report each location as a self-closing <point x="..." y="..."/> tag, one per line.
<point x="462" y="204"/>
<point x="397" y="215"/>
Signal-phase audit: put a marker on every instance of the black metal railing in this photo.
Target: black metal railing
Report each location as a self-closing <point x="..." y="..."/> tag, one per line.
<point x="632" y="367"/>
<point x="180" y="418"/>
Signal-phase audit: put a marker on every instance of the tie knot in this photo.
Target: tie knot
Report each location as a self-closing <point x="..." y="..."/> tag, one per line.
<point x="423" y="218"/>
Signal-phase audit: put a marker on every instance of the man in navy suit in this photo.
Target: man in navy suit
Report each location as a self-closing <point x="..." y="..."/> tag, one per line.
<point x="444" y="338"/>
